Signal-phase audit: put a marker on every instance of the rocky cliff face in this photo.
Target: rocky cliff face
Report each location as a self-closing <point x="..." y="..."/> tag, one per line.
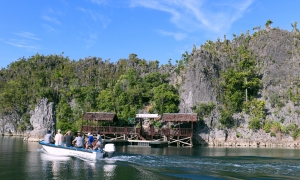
<point x="7" y="127"/>
<point x="277" y="56"/>
<point x="9" y="123"/>
<point x="42" y="119"/>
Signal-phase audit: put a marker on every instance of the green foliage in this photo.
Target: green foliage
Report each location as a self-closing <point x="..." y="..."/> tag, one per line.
<point x="106" y="101"/>
<point x="234" y="86"/>
<point x="183" y="62"/>
<point x="256" y="108"/>
<point x="296" y="134"/>
<point x="280" y="104"/>
<point x="157" y="124"/>
<point x="274" y="99"/>
<point x="204" y="109"/>
<point x="272" y="134"/>
<point x="289" y="110"/>
<point x="276" y="126"/>
<point x="268" y="23"/>
<point x="292" y="127"/>
<point x="254" y="123"/>
<point x="282" y="119"/>
<point x="267" y="126"/>
<point x="283" y="129"/>
<point x="87" y="85"/>
<point x="226" y="118"/>
<point x="240" y="81"/>
<point x="165" y="99"/>
<point x="239" y="135"/>
<point x="64" y="126"/>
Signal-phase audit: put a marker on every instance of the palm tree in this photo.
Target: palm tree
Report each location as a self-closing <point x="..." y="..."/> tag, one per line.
<point x="268" y="24"/>
<point x="295" y="29"/>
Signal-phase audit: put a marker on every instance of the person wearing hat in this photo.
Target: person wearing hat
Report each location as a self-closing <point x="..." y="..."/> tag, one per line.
<point x="48" y="137"/>
<point x="68" y="139"/>
<point x="98" y="141"/>
<point x="59" y="138"/>
<point x="90" y="141"/>
<point x="78" y="140"/>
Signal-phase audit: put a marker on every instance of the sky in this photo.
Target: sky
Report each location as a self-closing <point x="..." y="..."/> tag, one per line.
<point x="112" y="29"/>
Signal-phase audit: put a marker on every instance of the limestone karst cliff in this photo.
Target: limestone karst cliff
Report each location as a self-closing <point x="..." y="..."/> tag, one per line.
<point x="42" y="119"/>
<point x="276" y="53"/>
<point x="245" y="90"/>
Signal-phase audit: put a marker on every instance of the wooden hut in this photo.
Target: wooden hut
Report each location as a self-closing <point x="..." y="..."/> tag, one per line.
<point x="91" y="121"/>
<point x="182" y="131"/>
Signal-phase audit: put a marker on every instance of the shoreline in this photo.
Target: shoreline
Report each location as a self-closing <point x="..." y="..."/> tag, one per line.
<point x="215" y="144"/>
<point x="253" y="144"/>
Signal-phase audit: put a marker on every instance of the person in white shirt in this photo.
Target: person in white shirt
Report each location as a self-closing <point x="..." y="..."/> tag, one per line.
<point x="99" y="141"/>
<point x="59" y="138"/>
<point x="78" y="140"/>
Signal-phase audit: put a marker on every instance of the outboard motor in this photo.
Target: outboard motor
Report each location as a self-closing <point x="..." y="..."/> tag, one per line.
<point x="109" y="149"/>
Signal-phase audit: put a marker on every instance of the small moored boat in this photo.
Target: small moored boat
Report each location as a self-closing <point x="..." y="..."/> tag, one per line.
<point x="61" y="150"/>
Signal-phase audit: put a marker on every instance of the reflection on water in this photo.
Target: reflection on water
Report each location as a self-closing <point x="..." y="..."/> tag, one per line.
<point x="24" y="160"/>
<point x="53" y="162"/>
<point x="109" y="170"/>
<point x="47" y="157"/>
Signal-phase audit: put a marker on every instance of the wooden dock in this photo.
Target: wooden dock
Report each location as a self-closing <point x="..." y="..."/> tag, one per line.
<point x="152" y="144"/>
<point x="177" y="131"/>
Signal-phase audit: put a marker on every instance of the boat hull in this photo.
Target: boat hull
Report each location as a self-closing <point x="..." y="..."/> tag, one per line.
<point x="72" y="151"/>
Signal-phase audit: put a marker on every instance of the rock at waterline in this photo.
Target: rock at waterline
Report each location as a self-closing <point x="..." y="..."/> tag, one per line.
<point x="42" y="119"/>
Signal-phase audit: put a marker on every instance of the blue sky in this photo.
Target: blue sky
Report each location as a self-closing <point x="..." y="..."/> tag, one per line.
<point x="112" y="29"/>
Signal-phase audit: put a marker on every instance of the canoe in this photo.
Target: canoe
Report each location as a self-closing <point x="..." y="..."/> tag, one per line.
<point x="61" y="150"/>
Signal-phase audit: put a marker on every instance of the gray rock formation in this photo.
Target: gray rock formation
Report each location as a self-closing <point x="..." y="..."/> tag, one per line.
<point x="277" y="56"/>
<point x="6" y="127"/>
<point x="9" y="124"/>
<point x="42" y="119"/>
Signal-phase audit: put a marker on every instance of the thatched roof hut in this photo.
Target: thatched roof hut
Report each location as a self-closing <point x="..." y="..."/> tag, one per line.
<point x="179" y="117"/>
<point x="99" y="116"/>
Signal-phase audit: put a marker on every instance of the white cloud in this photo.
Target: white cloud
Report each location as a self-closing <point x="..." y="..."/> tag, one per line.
<point x="81" y="9"/>
<point x="51" y="19"/>
<point x="48" y="28"/>
<point x="99" y="2"/>
<point x="92" y="39"/>
<point x="27" y="35"/>
<point x="191" y="15"/>
<point x="25" y="40"/>
<point x="95" y="16"/>
<point x="24" y="44"/>
<point x="178" y="36"/>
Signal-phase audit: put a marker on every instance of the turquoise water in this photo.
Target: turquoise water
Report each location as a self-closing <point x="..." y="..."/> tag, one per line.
<point x="24" y="160"/>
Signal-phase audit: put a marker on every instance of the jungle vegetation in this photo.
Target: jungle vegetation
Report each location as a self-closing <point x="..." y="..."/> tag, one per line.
<point x="131" y="85"/>
<point x="89" y="85"/>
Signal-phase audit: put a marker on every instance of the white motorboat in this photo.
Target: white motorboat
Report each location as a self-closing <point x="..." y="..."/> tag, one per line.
<point x="61" y="150"/>
<point x="109" y="150"/>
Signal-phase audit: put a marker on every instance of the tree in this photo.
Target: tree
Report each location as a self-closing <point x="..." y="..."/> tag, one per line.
<point x="268" y="24"/>
<point x="106" y="101"/>
<point x="295" y="29"/>
<point x="166" y="99"/>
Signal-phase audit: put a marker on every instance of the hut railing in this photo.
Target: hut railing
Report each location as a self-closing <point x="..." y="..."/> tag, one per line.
<point x="133" y="130"/>
<point x="177" y="132"/>
<point x="110" y="129"/>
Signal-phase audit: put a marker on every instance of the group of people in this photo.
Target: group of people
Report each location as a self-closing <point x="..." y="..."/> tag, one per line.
<point x="78" y="142"/>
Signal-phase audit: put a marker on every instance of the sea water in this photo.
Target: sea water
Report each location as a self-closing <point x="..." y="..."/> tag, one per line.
<point x="24" y="160"/>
